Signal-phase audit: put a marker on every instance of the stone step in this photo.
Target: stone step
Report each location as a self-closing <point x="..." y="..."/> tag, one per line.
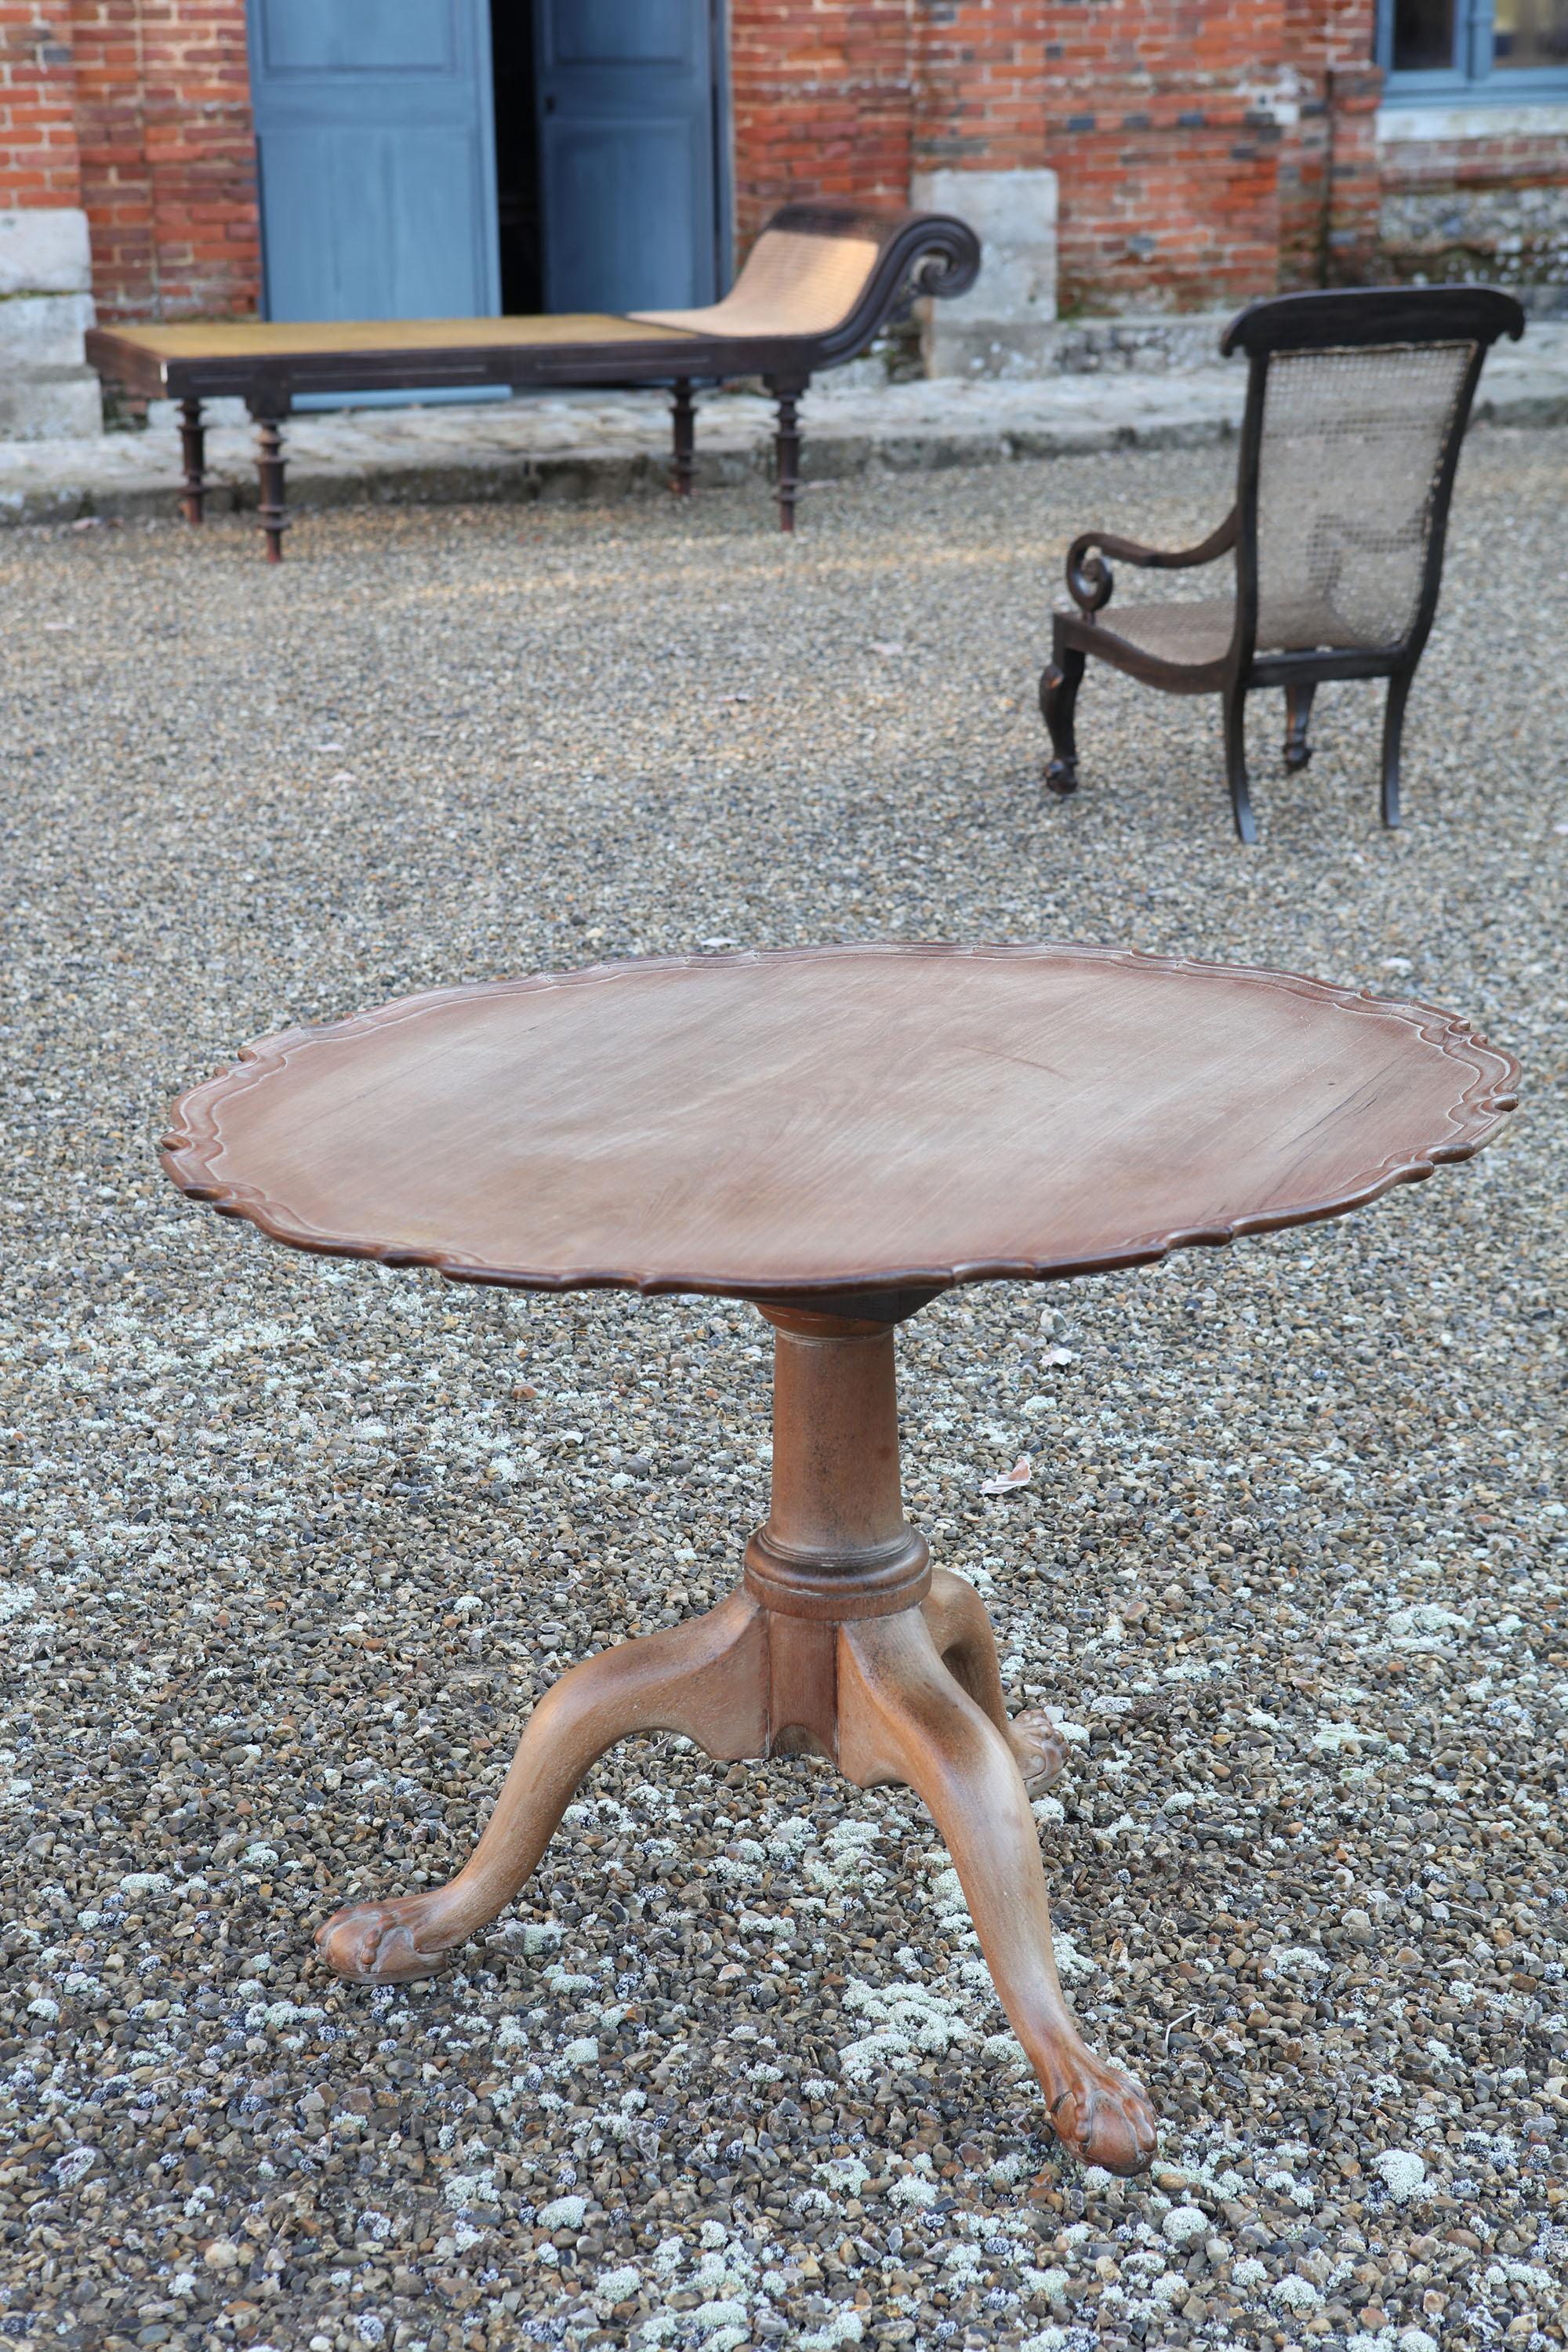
<point x="609" y="445"/>
<point x="48" y="403"/>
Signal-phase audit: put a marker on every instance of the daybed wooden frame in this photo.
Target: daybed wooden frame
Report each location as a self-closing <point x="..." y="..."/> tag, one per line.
<point x="792" y="311"/>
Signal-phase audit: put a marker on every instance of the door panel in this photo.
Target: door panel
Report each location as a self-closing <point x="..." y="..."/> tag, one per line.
<point x="627" y="153"/>
<point x="374" y="134"/>
<point x="357" y="36"/>
<point x="614" y="180"/>
<point x="377" y="227"/>
<point x="618" y="32"/>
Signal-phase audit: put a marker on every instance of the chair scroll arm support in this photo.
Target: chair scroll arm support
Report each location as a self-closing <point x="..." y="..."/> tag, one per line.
<point x="1090" y="579"/>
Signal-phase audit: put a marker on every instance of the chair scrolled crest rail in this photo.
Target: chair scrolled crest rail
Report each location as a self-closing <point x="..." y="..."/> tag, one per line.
<point x="1367" y="316"/>
<point x="820" y="282"/>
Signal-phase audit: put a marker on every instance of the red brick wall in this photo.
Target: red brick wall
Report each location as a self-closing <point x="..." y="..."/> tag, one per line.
<point x="1323" y="162"/>
<point x="1191" y="137"/>
<point x="821" y="102"/>
<point x="139" y="111"/>
<point x="38" y="161"/>
<point x="1515" y="162"/>
<point x="981" y="77"/>
<point x="1207" y="150"/>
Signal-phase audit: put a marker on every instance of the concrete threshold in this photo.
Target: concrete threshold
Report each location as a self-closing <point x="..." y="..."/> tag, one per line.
<point x="605" y="446"/>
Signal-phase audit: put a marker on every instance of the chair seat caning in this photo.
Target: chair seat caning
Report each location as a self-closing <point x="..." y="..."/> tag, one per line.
<point x="1193" y="634"/>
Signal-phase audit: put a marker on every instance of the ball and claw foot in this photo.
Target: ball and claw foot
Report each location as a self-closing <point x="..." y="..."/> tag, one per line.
<point x="1097" y="2111"/>
<point x="377" y="1943"/>
<point x="1041" y="1750"/>
<point x="1101" y="2115"/>
<point x="1061" y="775"/>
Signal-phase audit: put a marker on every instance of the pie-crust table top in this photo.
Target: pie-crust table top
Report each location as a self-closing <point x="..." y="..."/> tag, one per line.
<point x="851" y="1118"/>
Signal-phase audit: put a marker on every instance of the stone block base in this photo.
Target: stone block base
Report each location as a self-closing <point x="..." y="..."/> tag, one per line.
<point x="1003" y="326"/>
<point x="46" y="307"/>
<point x="51" y="403"/>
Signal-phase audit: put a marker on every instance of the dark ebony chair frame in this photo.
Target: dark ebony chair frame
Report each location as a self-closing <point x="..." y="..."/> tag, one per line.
<point x="1360" y="317"/>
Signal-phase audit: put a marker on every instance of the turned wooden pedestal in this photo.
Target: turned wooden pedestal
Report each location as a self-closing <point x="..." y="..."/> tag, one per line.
<point x="837" y="1135"/>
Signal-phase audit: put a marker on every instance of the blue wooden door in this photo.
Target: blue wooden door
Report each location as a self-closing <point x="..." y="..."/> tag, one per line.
<point x="375" y="138"/>
<point x="627" y="153"/>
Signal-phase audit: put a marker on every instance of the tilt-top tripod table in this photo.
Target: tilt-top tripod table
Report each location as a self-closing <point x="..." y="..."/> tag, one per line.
<point x="838" y="1134"/>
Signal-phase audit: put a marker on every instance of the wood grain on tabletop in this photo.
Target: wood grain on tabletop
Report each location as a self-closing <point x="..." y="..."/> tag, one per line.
<point x="757" y="1123"/>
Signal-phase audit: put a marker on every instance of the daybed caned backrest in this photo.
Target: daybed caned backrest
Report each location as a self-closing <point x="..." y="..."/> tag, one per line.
<point x="796" y="281"/>
<point x="1357" y="407"/>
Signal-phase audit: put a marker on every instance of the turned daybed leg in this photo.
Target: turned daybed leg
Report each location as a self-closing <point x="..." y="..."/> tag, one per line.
<point x="192" y="458"/>
<point x="683" y="414"/>
<point x="786" y="444"/>
<point x="271" y="516"/>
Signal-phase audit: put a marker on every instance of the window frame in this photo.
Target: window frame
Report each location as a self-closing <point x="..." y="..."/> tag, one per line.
<point x="1473" y="79"/>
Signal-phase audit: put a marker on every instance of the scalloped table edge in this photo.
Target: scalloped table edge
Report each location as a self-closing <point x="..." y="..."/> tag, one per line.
<point x="1479" y="1110"/>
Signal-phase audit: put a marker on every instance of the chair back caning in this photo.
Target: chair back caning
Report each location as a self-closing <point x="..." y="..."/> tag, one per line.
<point x="1352" y="457"/>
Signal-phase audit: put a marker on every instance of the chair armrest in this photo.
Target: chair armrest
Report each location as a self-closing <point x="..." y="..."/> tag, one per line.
<point x="1090" y="579"/>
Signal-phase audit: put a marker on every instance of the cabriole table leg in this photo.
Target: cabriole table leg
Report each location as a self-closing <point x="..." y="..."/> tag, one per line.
<point x="903" y="1717"/>
<point x="838" y="1553"/>
<point x="705" y="1679"/>
<point x="961" y="1631"/>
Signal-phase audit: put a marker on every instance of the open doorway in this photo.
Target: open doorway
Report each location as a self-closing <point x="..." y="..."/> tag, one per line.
<point x="611" y="148"/>
<point x="427" y="159"/>
<point x="517" y="156"/>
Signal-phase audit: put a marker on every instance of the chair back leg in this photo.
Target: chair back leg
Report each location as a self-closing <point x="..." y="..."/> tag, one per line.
<point x="1235" y="701"/>
<point x="1393" y="731"/>
<point x="1298" y="712"/>
<point x="1059" y="683"/>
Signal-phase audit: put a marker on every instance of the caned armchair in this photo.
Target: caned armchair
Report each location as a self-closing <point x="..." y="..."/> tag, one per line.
<point x="1356" y="406"/>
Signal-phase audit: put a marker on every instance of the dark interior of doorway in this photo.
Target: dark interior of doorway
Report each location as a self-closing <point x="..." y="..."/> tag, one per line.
<point x="517" y="156"/>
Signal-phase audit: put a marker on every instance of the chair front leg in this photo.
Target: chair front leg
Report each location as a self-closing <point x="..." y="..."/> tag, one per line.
<point x="1235" y="701"/>
<point x="1392" y="733"/>
<point x="1059" y="683"/>
<point x="1298" y="712"/>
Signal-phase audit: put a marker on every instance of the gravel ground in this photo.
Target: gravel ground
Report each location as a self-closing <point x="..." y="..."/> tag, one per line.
<point x="296" y="1543"/>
